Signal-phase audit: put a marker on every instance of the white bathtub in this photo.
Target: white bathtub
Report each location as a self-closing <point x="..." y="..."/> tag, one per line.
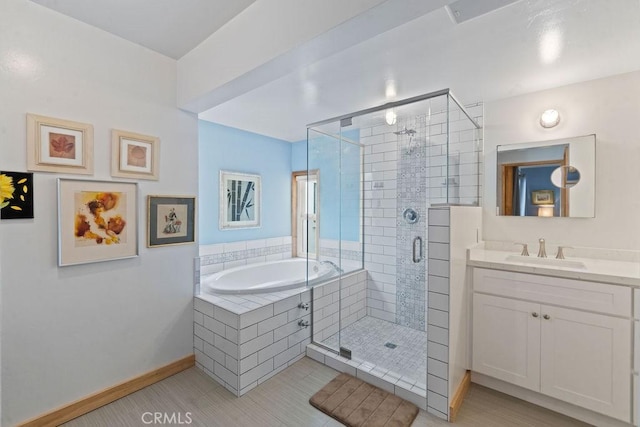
<point x="271" y="276"/>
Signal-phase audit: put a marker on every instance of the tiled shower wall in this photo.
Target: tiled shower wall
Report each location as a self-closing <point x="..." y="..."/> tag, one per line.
<point x="465" y="156"/>
<point x="386" y="191"/>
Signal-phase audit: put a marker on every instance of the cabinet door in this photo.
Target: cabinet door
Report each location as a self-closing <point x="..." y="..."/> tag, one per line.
<point x="586" y="360"/>
<point x="506" y="340"/>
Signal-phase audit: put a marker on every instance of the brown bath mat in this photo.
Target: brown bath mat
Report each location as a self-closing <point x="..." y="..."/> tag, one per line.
<point x="357" y="404"/>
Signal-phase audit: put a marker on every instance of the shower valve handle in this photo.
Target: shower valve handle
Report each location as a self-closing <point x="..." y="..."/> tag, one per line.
<point x="417" y="249"/>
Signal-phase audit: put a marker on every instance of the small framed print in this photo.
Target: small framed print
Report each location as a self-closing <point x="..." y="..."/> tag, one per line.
<point x="171" y="220"/>
<point x="542" y="197"/>
<point x="239" y="202"/>
<point x="134" y="155"/>
<point x="97" y="221"/>
<point x="56" y="145"/>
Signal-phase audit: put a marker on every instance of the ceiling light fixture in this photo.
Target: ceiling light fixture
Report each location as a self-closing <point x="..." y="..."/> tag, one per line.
<point x="390" y="117"/>
<point x="549" y="118"/>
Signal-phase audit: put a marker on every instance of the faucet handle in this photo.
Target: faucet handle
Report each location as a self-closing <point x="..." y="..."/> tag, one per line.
<point x="525" y="249"/>
<point x="560" y="254"/>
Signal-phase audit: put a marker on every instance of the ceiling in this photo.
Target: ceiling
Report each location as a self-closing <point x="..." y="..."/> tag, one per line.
<point x="170" y="27"/>
<point x="526" y="46"/>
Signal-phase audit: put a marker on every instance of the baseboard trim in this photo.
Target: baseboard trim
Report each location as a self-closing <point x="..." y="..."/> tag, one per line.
<point x="458" y="397"/>
<point x="108" y="395"/>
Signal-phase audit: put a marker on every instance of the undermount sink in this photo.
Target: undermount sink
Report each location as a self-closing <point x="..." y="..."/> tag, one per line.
<point x="552" y="262"/>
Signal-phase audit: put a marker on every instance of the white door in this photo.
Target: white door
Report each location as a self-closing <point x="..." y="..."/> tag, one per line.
<point x="586" y="360"/>
<point x="506" y="340"/>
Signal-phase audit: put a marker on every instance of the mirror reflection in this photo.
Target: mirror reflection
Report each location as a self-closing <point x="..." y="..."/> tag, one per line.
<point x="547" y="178"/>
<point x="565" y="176"/>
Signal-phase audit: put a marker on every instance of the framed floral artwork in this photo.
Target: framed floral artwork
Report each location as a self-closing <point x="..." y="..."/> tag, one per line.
<point x="134" y="155"/>
<point x="16" y="195"/>
<point x="171" y="220"/>
<point x="56" y="145"/>
<point x="97" y="221"/>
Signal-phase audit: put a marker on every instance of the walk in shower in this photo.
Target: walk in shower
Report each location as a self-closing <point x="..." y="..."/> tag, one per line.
<point x="379" y="171"/>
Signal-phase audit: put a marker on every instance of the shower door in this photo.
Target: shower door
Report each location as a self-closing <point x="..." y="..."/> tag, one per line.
<point x="334" y="153"/>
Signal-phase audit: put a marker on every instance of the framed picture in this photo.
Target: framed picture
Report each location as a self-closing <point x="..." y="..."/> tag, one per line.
<point x="171" y="220"/>
<point x="542" y="197"/>
<point x="55" y="145"/>
<point x="239" y="200"/>
<point x="97" y="221"/>
<point x="134" y="155"/>
<point x="16" y="195"/>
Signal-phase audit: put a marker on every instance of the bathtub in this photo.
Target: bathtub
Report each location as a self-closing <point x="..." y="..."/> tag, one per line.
<point x="263" y="277"/>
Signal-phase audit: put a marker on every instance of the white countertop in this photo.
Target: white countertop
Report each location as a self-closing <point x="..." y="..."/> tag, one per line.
<point x="620" y="272"/>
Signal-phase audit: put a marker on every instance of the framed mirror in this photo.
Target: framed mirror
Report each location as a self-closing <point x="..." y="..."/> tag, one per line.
<point x="239" y="200"/>
<point x="547" y="178"/>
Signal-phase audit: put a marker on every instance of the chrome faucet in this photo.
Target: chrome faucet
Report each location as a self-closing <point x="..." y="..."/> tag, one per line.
<point x="542" y="252"/>
<point x="332" y="264"/>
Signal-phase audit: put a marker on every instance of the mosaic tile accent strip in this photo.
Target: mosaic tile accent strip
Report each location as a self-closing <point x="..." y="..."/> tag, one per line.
<point x="412" y="193"/>
<point x="344" y="254"/>
<point x="244" y="254"/>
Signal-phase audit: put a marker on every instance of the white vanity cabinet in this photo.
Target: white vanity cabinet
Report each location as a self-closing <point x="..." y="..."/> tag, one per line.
<point x="567" y="339"/>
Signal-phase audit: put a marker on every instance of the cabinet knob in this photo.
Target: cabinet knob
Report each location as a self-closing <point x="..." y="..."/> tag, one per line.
<point x="534" y="314"/>
<point x="546" y="317"/>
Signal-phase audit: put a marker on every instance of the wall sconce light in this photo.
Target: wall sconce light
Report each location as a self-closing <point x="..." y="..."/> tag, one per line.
<point x="390" y="117"/>
<point x="549" y="118"/>
<point x="545" y="210"/>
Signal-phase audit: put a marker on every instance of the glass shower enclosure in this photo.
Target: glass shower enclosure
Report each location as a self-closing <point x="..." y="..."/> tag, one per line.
<point x="378" y="172"/>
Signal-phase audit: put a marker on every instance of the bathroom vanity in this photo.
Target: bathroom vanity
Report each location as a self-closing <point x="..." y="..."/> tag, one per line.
<point x="557" y="333"/>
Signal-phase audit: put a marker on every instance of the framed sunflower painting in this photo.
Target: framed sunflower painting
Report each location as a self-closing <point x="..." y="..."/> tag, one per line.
<point x="16" y="195"/>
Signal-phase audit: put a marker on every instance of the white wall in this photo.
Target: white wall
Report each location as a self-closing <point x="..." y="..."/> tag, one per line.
<point x="68" y="332"/>
<point x="608" y="107"/>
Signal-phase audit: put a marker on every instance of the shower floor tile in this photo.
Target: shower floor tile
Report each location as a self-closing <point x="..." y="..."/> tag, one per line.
<point x="367" y="337"/>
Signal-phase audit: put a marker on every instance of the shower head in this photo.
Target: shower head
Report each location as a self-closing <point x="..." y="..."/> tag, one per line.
<point x="406" y="131"/>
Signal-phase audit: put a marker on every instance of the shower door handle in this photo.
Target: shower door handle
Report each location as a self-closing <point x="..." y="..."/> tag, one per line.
<point x="417" y="253"/>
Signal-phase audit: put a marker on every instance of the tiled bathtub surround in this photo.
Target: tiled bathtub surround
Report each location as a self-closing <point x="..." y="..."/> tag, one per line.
<point x="348" y="292"/>
<point x="218" y="257"/>
<point x="242" y="350"/>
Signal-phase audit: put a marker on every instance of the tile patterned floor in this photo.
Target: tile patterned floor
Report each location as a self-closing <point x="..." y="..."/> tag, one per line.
<point x="367" y="337"/>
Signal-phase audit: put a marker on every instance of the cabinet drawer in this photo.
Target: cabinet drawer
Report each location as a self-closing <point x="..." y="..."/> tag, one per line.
<point x="597" y="297"/>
